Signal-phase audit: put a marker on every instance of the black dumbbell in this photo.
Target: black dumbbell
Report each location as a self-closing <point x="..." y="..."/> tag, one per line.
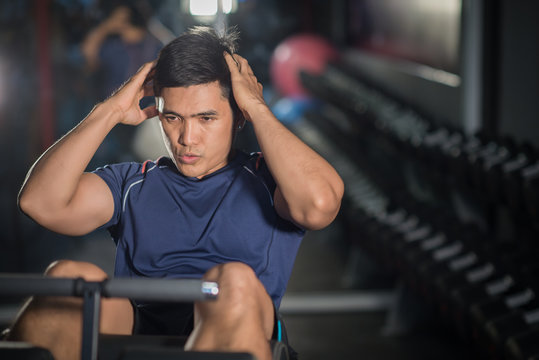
<point x="512" y="178"/>
<point x="530" y="188"/>
<point x="524" y="346"/>
<point x="520" y="298"/>
<point x="492" y="170"/>
<point x="490" y="268"/>
<point x="516" y="278"/>
<point x="500" y="330"/>
<point x="458" y="256"/>
<point x="459" y="159"/>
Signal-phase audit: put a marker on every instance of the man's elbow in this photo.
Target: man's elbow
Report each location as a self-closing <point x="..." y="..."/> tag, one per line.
<point x="323" y="210"/>
<point x="31" y="208"/>
<point x="24" y="202"/>
<point x="38" y="209"/>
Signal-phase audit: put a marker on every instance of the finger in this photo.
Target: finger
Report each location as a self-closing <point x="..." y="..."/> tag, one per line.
<point x="138" y="80"/>
<point x="146" y="67"/>
<point x="150" y="111"/>
<point x="245" y="67"/>
<point x="239" y="58"/>
<point x="148" y="90"/>
<point x="142" y="74"/>
<point x="150" y="76"/>
<point x="233" y="65"/>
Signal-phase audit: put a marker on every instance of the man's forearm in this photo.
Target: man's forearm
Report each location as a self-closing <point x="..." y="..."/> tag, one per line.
<point x="53" y="179"/>
<point x="310" y="186"/>
<point x="309" y="190"/>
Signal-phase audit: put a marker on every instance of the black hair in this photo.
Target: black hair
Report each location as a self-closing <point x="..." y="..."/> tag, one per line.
<point x="196" y="58"/>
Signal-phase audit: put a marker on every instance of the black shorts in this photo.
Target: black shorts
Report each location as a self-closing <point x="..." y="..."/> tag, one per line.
<point x="163" y="319"/>
<point x="177" y="319"/>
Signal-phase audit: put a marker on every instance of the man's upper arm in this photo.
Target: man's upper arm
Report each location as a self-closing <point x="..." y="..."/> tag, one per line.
<point x="281" y="207"/>
<point x="92" y="205"/>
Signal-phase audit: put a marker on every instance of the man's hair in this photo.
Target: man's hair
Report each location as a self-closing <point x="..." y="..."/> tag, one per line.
<point x="196" y="58"/>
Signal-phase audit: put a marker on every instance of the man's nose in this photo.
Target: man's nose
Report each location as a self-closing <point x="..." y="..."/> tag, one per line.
<point x="189" y="133"/>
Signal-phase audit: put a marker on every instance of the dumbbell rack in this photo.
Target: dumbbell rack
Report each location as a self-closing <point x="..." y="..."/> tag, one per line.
<point x="482" y="285"/>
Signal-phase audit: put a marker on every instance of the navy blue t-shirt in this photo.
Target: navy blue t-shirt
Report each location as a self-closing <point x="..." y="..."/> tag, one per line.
<point x="168" y="225"/>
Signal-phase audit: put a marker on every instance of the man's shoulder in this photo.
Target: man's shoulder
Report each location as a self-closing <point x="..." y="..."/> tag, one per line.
<point x="130" y="170"/>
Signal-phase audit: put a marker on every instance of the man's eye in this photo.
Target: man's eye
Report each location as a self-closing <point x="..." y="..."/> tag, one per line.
<point x="171" y="118"/>
<point x="207" y="118"/>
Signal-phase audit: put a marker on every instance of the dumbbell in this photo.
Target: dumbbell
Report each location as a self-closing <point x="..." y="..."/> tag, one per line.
<point x="530" y="188"/>
<point x="519" y="298"/>
<point x="396" y="225"/>
<point x="431" y="242"/>
<point x="524" y="346"/>
<point x="409" y="237"/>
<point x="459" y="163"/>
<point x="512" y="177"/>
<point x="512" y="280"/>
<point x="500" y="330"/>
<point x="457" y="257"/>
<point x="443" y="158"/>
<point x="492" y="170"/>
<point x="477" y="161"/>
<point x="488" y="269"/>
<point x="455" y="293"/>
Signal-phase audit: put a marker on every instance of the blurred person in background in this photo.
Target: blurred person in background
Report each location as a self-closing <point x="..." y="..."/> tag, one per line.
<point x="113" y="50"/>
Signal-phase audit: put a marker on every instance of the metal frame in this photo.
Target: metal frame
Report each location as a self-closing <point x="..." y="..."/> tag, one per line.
<point x="172" y="290"/>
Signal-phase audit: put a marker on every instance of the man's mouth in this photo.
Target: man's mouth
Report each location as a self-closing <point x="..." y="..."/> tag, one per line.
<point x="188" y="159"/>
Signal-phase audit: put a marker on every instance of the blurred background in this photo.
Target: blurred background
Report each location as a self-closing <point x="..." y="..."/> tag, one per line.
<point x="428" y="110"/>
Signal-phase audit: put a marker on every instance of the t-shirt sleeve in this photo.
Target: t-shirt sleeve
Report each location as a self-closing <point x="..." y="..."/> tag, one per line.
<point x="116" y="176"/>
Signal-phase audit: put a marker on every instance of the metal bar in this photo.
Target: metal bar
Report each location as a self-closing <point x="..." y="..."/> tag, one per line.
<point x="146" y="289"/>
<point x="39" y="285"/>
<point x="161" y="289"/>
<point x="90" y="320"/>
<point x="91" y="292"/>
<point x="336" y="303"/>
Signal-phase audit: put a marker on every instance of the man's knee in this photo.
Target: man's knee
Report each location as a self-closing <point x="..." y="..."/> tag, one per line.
<point x="234" y="277"/>
<point x="74" y="269"/>
<point x="239" y="287"/>
<point x="241" y="296"/>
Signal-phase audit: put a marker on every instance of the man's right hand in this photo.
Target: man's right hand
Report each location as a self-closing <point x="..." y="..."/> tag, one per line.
<point x="125" y="101"/>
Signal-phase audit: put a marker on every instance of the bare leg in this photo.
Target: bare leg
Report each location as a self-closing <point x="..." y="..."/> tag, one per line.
<point x="55" y="323"/>
<point x="242" y="317"/>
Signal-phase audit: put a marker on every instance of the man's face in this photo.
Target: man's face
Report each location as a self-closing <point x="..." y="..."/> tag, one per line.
<point x="198" y="123"/>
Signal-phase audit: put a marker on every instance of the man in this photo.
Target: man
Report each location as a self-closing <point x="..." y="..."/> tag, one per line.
<point x="208" y="211"/>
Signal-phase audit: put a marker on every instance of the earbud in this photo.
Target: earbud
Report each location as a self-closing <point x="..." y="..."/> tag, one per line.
<point x="159" y="104"/>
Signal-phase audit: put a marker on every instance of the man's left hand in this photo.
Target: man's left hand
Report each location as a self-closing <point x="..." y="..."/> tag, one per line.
<point x="245" y="86"/>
